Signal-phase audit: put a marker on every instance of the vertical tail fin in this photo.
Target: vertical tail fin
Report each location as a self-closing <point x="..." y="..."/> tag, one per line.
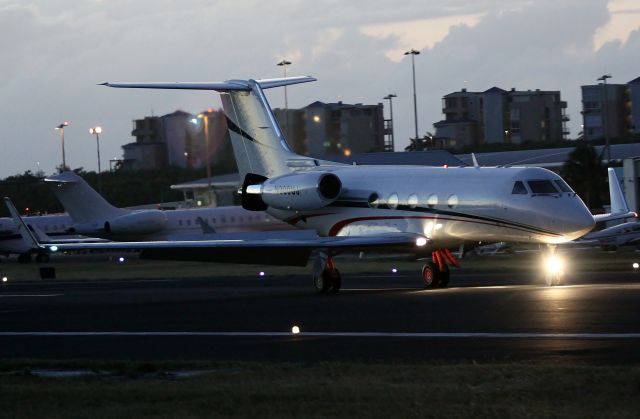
<point x="83" y="204"/>
<point x="618" y="202"/>
<point x="258" y="143"/>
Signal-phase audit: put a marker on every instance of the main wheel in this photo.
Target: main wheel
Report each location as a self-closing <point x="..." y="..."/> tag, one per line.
<point x="430" y="275"/>
<point x="329" y="281"/>
<point x="443" y="277"/>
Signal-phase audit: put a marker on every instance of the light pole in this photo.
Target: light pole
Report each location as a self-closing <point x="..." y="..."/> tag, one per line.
<point x="413" y="53"/>
<point x="205" y="118"/>
<point x="284" y="64"/>
<point x="605" y="115"/>
<point x="390" y="97"/>
<point x="96" y="131"/>
<point x="61" y="129"/>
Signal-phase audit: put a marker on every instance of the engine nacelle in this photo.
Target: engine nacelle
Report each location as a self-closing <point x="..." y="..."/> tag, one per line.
<point x="298" y="191"/>
<point x="143" y="222"/>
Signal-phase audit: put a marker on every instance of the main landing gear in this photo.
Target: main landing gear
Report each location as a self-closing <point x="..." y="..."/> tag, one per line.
<point x="435" y="274"/>
<point x="328" y="280"/>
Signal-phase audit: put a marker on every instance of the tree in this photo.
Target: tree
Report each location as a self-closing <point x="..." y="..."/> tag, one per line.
<point x="587" y="175"/>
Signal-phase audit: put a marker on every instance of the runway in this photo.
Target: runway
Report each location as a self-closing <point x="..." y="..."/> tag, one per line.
<point x="483" y="317"/>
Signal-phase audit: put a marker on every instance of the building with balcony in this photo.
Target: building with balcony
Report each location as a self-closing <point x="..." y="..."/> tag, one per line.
<point x="612" y="110"/>
<point x="328" y="129"/>
<point x="501" y="116"/>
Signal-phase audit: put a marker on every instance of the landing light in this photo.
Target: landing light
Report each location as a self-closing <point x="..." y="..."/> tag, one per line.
<point x="53" y="248"/>
<point x="636" y="265"/>
<point x="5" y="279"/>
<point x="421" y="241"/>
<point x="394" y="270"/>
<point x="554" y="265"/>
<point x="295" y="330"/>
<point x="121" y="259"/>
<point x="261" y="273"/>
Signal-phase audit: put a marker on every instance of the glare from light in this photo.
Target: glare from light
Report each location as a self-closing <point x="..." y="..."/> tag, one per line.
<point x="394" y="270"/>
<point x="421" y="241"/>
<point x="295" y="330"/>
<point x="316" y="118"/>
<point x="53" y="248"/>
<point x="554" y="265"/>
<point x="121" y="259"/>
<point x="5" y="279"/>
<point x="636" y="265"/>
<point x="261" y="273"/>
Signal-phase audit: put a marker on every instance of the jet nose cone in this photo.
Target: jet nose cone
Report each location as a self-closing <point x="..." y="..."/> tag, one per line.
<point x="577" y="223"/>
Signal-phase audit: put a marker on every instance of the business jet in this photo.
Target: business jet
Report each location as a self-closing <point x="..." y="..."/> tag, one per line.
<point x="425" y="210"/>
<point x="90" y="218"/>
<point x="92" y="215"/>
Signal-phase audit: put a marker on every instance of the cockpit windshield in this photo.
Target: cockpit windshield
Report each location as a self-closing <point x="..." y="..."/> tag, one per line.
<point x="542" y="187"/>
<point x="519" y="188"/>
<point x="562" y="185"/>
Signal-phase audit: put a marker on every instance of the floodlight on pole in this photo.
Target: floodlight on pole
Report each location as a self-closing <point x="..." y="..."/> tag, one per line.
<point x="605" y="115"/>
<point x="60" y="128"/>
<point x="97" y="131"/>
<point x="413" y="53"/>
<point x="390" y="97"/>
<point x="205" y="118"/>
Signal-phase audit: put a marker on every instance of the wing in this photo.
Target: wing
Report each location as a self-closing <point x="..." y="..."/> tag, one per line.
<point x="274" y="251"/>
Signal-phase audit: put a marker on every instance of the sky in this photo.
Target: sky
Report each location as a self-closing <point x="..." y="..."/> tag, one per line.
<point x="56" y="52"/>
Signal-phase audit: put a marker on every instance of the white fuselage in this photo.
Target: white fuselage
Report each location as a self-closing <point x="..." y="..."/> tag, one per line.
<point x="448" y="205"/>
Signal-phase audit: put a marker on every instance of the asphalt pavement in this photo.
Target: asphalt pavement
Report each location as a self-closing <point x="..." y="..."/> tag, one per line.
<point x="482" y="317"/>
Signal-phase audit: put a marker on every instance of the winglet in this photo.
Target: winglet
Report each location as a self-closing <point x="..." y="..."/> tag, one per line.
<point x="27" y="235"/>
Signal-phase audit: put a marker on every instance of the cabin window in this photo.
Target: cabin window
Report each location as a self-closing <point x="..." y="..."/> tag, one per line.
<point x="392" y="202"/>
<point x="542" y="187"/>
<point x="432" y="201"/>
<point x="373" y="200"/>
<point x="562" y="185"/>
<point x="412" y="201"/>
<point x="452" y="202"/>
<point x="519" y="188"/>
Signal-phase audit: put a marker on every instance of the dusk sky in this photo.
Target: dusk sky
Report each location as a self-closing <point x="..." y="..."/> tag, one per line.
<point x="55" y="52"/>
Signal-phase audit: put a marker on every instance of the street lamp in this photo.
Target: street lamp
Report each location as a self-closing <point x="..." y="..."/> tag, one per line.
<point x="96" y="131"/>
<point x="413" y="53"/>
<point x="61" y="129"/>
<point x="205" y="118"/>
<point x="605" y="116"/>
<point x="390" y="97"/>
<point x="284" y="64"/>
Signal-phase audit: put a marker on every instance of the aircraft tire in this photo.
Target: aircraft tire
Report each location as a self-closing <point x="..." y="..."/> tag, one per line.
<point x="443" y="280"/>
<point x="336" y="281"/>
<point x="430" y="275"/>
<point x="328" y="282"/>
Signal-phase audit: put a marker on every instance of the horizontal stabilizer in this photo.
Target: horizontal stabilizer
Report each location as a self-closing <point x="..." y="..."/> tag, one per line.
<point x="227" y="86"/>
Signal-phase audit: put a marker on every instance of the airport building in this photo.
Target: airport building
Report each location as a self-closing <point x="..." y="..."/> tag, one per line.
<point x="501" y="116"/>
<point x="324" y="130"/>
<point x="611" y="107"/>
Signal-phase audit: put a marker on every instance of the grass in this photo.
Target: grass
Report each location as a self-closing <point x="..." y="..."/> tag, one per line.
<point x="291" y="390"/>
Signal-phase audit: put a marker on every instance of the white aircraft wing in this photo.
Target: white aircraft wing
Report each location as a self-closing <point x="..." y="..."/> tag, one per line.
<point x="274" y="251"/>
